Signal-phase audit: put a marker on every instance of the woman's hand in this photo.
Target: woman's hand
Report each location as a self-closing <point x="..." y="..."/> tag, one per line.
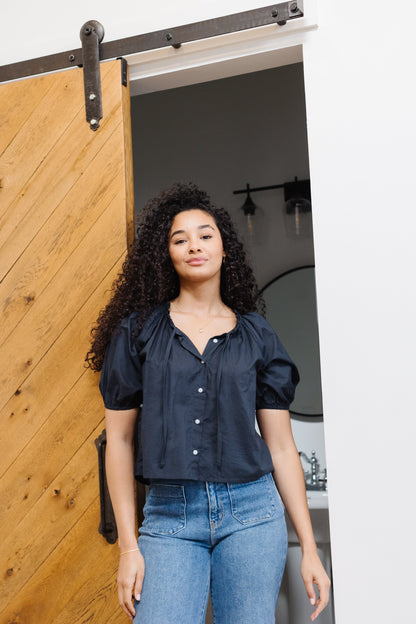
<point x="119" y="462"/>
<point x="312" y="572"/>
<point x="275" y="427"/>
<point x="130" y="580"/>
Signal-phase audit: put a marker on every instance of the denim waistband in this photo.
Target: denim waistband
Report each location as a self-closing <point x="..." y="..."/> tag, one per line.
<point x="151" y="481"/>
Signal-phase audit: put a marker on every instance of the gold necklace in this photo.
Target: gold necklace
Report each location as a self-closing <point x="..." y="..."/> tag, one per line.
<point x="200" y="329"/>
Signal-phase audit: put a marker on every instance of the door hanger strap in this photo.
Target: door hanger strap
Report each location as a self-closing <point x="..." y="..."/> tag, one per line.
<point x="91" y="35"/>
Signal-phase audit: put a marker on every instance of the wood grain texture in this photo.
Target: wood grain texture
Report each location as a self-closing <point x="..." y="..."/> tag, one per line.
<point x="81" y="590"/>
<point x="66" y="210"/>
<point x="22" y="99"/>
<point x="45" y="254"/>
<point x="50" y="184"/>
<point x="65" y="295"/>
<point x="38" y="396"/>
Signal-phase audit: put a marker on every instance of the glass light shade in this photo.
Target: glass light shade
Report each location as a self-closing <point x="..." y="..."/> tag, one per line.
<point x="298" y="218"/>
<point x="254" y="218"/>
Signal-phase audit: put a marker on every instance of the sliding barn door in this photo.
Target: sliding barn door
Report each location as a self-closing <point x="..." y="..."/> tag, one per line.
<point x="66" y="211"/>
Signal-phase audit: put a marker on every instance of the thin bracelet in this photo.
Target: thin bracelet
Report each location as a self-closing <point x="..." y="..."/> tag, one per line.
<point x="127" y="551"/>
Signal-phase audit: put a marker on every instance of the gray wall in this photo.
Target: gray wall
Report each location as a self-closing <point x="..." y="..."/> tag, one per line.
<point x="221" y="135"/>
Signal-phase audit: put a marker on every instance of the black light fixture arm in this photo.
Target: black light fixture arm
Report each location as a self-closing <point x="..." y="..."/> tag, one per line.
<point x="258" y="188"/>
<point x="297" y="196"/>
<point x="296" y="185"/>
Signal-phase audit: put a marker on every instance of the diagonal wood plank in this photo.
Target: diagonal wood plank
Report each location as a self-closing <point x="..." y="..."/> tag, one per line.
<point x="20" y="101"/>
<point x="49" y="182"/>
<point x="26" y="547"/>
<point x="40" y="394"/>
<point x="62" y="101"/>
<point x="60" y="437"/>
<point x="94" y="603"/>
<point x="40" y="132"/>
<point x="58" y="238"/>
<point x="66" y="201"/>
<point x="83" y="589"/>
<point x="64" y="296"/>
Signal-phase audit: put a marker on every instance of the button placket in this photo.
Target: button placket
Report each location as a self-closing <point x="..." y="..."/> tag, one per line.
<point x="200" y="391"/>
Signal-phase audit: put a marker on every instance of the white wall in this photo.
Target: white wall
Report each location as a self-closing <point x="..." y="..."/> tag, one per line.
<point x="31" y="29"/>
<point x="359" y="69"/>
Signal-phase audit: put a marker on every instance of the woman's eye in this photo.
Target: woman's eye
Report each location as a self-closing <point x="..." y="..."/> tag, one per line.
<point x="206" y="236"/>
<point x="179" y="241"/>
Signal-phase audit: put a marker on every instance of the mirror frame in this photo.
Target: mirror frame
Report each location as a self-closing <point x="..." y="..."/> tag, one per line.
<point x="275" y="279"/>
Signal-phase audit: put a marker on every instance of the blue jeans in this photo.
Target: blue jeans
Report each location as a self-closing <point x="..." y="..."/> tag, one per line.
<point x="196" y="536"/>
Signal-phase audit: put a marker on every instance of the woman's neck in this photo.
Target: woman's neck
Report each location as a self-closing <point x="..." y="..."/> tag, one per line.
<point x="200" y="299"/>
<point x="200" y="313"/>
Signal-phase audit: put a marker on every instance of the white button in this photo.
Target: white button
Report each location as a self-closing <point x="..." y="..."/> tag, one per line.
<point x="197" y="421"/>
<point x="200" y="389"/>
<point x="195" y="452"/>
<point x="215" y="340"/>
<point x="202" y="362"/>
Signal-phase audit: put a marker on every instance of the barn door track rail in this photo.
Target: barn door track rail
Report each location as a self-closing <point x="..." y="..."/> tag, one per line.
<point x="274" y="14"/>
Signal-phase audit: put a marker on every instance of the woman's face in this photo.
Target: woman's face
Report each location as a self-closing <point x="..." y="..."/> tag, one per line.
<point x="195" y="246"/>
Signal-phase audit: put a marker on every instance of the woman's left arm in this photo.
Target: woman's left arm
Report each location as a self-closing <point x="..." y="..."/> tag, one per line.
<point x="276" y="431"/>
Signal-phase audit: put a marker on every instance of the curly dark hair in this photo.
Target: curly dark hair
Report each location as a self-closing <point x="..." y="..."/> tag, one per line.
<point x="148" y="278"/>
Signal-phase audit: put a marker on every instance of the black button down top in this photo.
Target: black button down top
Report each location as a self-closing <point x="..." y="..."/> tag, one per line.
<point x="197" y="418"/>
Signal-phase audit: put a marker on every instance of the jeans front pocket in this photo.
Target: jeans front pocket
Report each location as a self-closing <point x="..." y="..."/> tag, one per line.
<point x="255" y="501"/>
<point x="165" y="509"/>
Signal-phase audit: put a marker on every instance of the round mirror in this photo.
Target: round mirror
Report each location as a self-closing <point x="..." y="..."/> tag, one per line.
<point x="291" y="310"/>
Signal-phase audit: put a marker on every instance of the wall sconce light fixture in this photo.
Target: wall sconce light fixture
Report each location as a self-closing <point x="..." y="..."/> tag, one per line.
<point x="297" y="207"/>
<point x="249" y="208"/>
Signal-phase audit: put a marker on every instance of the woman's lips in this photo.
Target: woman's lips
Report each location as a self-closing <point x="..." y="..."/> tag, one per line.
<point x="196" y="261"/>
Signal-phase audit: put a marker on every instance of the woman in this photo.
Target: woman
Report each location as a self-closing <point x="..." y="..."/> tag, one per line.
<point x="181" y="339"/>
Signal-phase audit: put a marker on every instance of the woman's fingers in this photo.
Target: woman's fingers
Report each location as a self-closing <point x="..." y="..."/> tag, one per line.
<point x="124" y="600"/>
<point x="130" y="581"/>
<point x="313" y="573"/>
<point x="310" y="591"/>
<point x="125" y="590"/>
<point x="320" y="606"/>
<point x="139" y="578"/>
<point x="323" y="584"/>
<point x="138" y="588"/>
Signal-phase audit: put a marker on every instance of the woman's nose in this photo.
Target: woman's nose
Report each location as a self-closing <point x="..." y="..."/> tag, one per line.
<point x="194" y="248"/>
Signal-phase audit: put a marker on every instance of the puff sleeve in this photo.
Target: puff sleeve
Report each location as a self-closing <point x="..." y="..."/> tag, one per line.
<point x="121" y="375"/>
<point x="278" y="376"/>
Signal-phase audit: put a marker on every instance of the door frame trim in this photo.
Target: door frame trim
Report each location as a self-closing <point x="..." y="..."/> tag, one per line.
<point x="229" y="55"/>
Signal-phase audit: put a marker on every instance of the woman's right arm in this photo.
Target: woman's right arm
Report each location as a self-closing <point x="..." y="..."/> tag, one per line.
<point x="119" y="463"/>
